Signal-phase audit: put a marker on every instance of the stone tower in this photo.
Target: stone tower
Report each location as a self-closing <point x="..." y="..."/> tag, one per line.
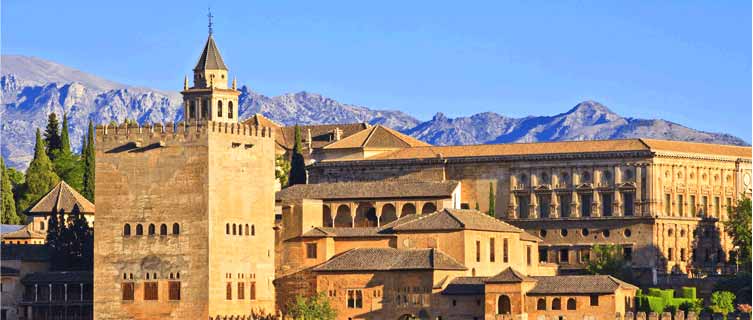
<point x="185" y="212"/>
<point x="210" y="98"/>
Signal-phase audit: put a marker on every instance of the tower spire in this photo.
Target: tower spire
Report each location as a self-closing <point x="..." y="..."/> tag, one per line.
<point x="210" y="16"/>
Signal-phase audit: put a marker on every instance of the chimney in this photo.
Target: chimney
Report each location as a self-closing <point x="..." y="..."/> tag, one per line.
<point x="308" y="139"/>
<point x="338" y="134"/>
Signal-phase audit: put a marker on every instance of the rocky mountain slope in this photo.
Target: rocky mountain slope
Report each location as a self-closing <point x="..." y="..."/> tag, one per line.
<point x="31" y="88"/>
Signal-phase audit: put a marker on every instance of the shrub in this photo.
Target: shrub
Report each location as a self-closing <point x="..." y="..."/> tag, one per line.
<point x="722" y="302"/>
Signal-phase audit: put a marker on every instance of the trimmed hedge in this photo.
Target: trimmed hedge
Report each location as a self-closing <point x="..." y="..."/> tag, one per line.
<point x="658" y="300"/>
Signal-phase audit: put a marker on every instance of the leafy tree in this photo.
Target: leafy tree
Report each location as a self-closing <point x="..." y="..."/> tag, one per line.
<point x="55" y="224"/>
<point x="738" y="227"/>
<point x="282" y="170"/>
<point x="607" y="259"/>
<point x="298" y="164"/>
<point x="739" y="285"/>
<point x="491" y="200"/>
<point x="87" y="189"/>
<point x="82" y="248"/>
<point x="52" y="136"/>
<point x="9" y="214"/>
<point x="313" y="307"/>
<point x="70" y="241"/>
<point x="40" y="176"/>
<point x="722" y="302"/>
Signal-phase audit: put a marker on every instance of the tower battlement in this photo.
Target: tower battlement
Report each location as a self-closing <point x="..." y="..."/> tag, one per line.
<point x="183" y="130"/>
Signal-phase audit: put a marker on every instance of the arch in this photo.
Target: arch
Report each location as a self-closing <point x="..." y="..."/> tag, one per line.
<point x="235" y="228"/>
<point x="365" y="215"/>
<point x="326" y="216"/>
<point x="541" y="304"/>
<point x="408" y="209"/>
<point x="247" y="229"/>
<point x="389" y="214"/>
<point x="152" y="229"/>
<point x="176" y="228"/>
<point x="139" y="230"/>
<point x="503" y="304"/>
<point x="343" y="218"/>
<point x="424" y="315"/>
<point x="428" y="207"/>
<point x="571" y="304"/>
<point x="163" y="229"/>
<point x="127" y="230"/>
<point x="556" y="305"/>
<point x="253" y="230"/>
<point x="227" y="228"/>
<point x="229" y="109"/>
<point x="219" y="108"/>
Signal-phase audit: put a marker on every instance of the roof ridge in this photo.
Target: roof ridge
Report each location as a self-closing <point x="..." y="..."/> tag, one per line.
<point x="454" y="217"/>
<point x="398" y="137"/>
<point x="368" y="137"/>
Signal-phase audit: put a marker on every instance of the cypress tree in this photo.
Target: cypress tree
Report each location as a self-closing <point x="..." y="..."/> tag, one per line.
<point x="88" y="155"/>
<point x="65" y="140"/>
<point x="298" y="164"/>
<point x="66" y="163"/>
<point x="9" y="215"/>
<point x="52" y="136"/>
<point x="40" y="177"/>
<point x="53" y="239"/>
<point x="491" y="199"/>
<point x="83" y="247"/>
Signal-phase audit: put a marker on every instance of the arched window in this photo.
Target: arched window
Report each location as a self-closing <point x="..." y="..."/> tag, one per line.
<point x="227" y="228"/>
<point x="428" y="208"/>
<point x="407" y="209"/>
<point x="503" y="305"/>
<point x="571" y="304"/>
<point x="230" y="110"/>
<point x="139" y="230"/>
<point x="163" y="229"/>
<point x="127" y="230"/>
<point x="247" y="229"/>
<point x="234" y="229"/>
<point x="326" y="216"/>
<point x="541" y="304"/>
<point x="253" y="230"/>
<point x="191" y="110"/>
<point x="556" y="304"/>
<point x="41" y="225"/>
<point x="152" y="229"/>
<point x="176" y="228"/>
<point x="219" y="108"/>
<point x="389" y="214"/>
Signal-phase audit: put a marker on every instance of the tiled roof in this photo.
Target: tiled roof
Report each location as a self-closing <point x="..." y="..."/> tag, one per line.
<point x="368" y="190"/>
<point x="390" y="259"/>
<point x="320" y="232"/>
<point x="562" y="147"/>
<point x="5" y="228"/>
<point x="509" y="275"/>
<point x="24" y="252"/>
<point x="577" y="284"/>
<point x="24" y="233"/>
<point x="465" y="286"/>
<point x="321" y="134"/>
<point x="525" y="236"/>
<point x="377" y="137"/>
<point x="451" y="219"/>
<point x="61" y="197"/>
<point x="210" y="58"/>
<point x="60" y="277"/>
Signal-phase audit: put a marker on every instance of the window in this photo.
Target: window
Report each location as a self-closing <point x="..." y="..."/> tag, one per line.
<point x="252" y="290"/>
<point x="241" y="291"/>
<point x="355" y="299"/>
<point x="585" y="255"/>
<point x="628" y="233"/>
<point x="191" y="110"/>
<point x="528" y="255"/>
<point x="544" y="205"/>
<point x="176" y="228"/>
<point x="668" y="204"/>
<point x="670" y="254"/>
<point x="230" y="109"/>
<point x="253" y="230"/>
<point x="704" y="205"/>
<point x="478" y="251"/>
<point x="227" y="228"/>
<point x="541" y="304"/>
<point x="163" y="229"/>
<point x="127" y="291"/>
<point x="523" y="205"/>
<point x="585" y="177"/>
<point x="571" y="304"/>
<point x="234" y="229"/>
<point x="174" y="292"/>
<point x="491" y="250"/>
<point x="205" y="108"/>
<point x="693" y="209"/>
<point x="594" y="300"/>
<point x="543" y="255"/>
<point x="229" y="291"/>
<point x="219" y="108"/>
<point x="585" y="232"/>
<point x="139" y="230"/>
<point x="682" y="254"/>
<point x="565" y="200"/>
<point x="717" y="208"/>
<point x="605" y="233"/>
<point x="628" y="201"/>
<point x="564" y="255"/>
<point x="606" y="204"/>
<point x="586" y="200"/>
<point x="152" y="229"/>
<point x="680" y="205"/>
<point x="506" y="251"/>
<point x="127" y="230"/>
<point x="556" y="304"/>
<point x="311" y="250"/>
<point x="247" y="229"/>
<point x="41" y="225"/>
<point x="563" y="232"/>
<point x="151" y="290"/>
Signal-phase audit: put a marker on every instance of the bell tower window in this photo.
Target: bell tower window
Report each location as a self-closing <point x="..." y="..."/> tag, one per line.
<point x="219" y="108"/>
<point x="230" y="110"/>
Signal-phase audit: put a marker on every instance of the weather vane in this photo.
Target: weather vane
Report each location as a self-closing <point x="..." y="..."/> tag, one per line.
<point x="210" y="16"/>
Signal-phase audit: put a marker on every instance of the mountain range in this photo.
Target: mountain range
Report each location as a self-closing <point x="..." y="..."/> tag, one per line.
<point x="31" y="88"/>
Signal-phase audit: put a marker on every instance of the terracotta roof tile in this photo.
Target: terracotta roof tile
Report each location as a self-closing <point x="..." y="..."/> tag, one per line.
<point x="509" y="275"/>
<point x="577" y="284"/>
<point x="337" y="232"/>
<point x="61" y="197"/>
<point x="698" y="148"/>
<point x="451" y="219"/>
<point x="465" y="286"/>
<point x="210" y="57"/>
<point x="390" y="259"/>
<point x="368" y="190"/>
<point x="24" y="233"/>
<point x="377" y="137"/>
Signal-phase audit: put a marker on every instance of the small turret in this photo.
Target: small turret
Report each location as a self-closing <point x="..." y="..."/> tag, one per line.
<point x="185" y="82"/>
<point x="235" y="84"/>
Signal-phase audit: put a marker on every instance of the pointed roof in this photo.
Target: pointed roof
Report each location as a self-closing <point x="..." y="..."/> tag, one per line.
<point x="509" y="275"/>
<point x="451" y="220"/>
<point x="377" y="136"/>
<point x="390" y="259"/>
<point x="210" y="58"/>
<point x="61" y="197"/>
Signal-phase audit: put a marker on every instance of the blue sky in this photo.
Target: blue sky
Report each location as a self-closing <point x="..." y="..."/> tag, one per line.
<point x="684" y="61"/>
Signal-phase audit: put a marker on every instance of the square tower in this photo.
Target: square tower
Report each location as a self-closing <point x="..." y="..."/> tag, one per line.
<point x="184" y="221"/>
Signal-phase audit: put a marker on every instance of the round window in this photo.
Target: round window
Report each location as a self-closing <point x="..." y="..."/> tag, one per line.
<point x="542" y="233"/>
<point x="628" y="233"/>
<point x="585" y="232"/>
<point x="563" y="232"/>
<point x="605" y="233"/>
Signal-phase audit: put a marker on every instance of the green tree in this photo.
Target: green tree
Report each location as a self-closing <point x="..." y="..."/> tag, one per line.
<point x="67" y="164"/>
<point x="311" y="308"/>
<point x="282" y="170"/>
<point x="738" y="227"/>
<point x="52" y="136"/>
<point x="491" y="199"/>
<point x="608" y="259"/>
<point x="87" y="189"/>
<point x="82" y="246"/>
<point x="722" y="302"/>
<point x="9" y="214"/>
<point x="40" y="176"/>
<point x="298" y="164"/>
<point x="55" y="224"/>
